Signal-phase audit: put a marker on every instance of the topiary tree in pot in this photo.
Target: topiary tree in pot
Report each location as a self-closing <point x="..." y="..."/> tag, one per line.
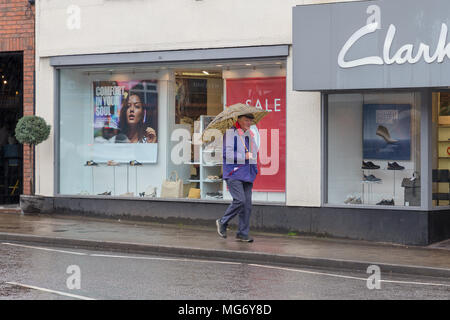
<point x="32" y="130"/>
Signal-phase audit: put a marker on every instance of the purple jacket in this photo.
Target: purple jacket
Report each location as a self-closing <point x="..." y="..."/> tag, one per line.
<point x="234" y="164"/>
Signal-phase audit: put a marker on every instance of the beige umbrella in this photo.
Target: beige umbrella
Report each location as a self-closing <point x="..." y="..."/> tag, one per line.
<point x="228" y="117"/>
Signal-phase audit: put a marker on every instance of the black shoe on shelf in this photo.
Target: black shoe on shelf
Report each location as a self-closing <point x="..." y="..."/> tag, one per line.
<point x="369" y="165"/>
<point x="386" y="203"/>
<point x="221" y="229"/>
<point x="106" y="193"/>
<point x="91" y="163"/>
<point x="135" y="163"/>
<point x="242" y="238"/>
<point x="395" y="166"/>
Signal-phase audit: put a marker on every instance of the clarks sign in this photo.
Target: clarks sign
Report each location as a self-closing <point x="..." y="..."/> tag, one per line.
<point x="376" y="44"/>
<point x="406" y="54"/>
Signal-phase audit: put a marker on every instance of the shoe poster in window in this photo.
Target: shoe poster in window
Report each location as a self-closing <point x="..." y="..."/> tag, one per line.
<point x="125" y="115"/>
<point x="387" y="131"/>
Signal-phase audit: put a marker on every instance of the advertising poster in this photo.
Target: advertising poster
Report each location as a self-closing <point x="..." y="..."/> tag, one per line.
<point x="125" y="120"/>
<point x="268" y="94"/>
<point x="387" y="131"/>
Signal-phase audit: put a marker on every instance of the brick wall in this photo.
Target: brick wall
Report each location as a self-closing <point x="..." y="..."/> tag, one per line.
<point x="17" y="34"/>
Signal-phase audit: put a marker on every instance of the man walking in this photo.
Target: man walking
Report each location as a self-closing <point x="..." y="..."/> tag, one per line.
<point x="239" y="172"/>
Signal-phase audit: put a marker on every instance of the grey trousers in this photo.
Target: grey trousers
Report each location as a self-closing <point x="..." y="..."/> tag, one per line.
<point x="242" y="205"/>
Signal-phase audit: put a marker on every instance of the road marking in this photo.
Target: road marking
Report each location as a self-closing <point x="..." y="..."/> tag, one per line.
<point x="119" y="256"/>
<point x="164" y="259"/>
<point x="45" y="249"/>
<point x="348" y="277"/>
<point x="50" y="291"/>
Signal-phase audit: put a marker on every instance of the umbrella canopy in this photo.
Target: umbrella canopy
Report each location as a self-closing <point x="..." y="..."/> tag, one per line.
<point x="228" y="117"/>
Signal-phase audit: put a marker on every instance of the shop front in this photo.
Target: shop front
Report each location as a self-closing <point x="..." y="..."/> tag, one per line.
<point x="383" y="70"/>
<point x="353" y="146"/>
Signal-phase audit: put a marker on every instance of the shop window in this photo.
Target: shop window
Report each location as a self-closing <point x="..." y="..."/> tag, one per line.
<point x="374" y="149"/>
<point x="131" y="131"/>
<point x="441" y="149"/>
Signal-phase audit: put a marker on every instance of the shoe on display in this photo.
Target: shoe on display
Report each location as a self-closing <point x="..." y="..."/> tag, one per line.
<point x="383" y="132"/>
<point x="356" y="201"/>
<point x="106" y="193"/>
<point x="371" y="178"/>
<point x="135" y="163"/>
<point x="112" y="163"/>
<point x="386" y="202"/>
<point x="349" y="199"/>
<point x="369" y="166"/>
<point x="395" y="166"/>
<point x="127" y="194"/>
<point x="91" y="163"/>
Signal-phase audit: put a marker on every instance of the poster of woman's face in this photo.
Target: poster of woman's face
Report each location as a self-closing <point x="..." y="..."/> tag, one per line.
<point x="126" y="111"/>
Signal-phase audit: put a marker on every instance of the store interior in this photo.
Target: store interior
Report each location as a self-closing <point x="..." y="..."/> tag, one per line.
<point x="11" y="84"/>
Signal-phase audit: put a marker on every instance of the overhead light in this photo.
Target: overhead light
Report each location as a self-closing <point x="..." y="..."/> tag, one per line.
<point x="197" y="74"/>
<point x="3" y="77"/>
<point x="5" y="82"/>
<point x="205" y="72"/>
<point x="17" y="93"/>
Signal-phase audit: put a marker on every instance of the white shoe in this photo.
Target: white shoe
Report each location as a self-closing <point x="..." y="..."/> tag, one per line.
<point x="383" y="132"/>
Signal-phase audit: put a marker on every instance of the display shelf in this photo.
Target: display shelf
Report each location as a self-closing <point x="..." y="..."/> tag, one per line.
<point x="209" y="168"/>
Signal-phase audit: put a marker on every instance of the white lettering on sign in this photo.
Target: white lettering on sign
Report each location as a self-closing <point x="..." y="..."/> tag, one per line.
<point x="265" y="104"/>
<point x="386" y="116"/>
<point x="403" y="55"/>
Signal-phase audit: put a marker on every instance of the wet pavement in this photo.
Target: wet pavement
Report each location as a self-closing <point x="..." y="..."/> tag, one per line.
<point x="77" y="227"/>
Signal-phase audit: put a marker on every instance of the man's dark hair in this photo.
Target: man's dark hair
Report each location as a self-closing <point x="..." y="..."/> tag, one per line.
<point x="248" y="115"/>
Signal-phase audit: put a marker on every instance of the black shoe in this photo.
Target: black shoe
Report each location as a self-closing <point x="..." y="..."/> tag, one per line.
<point x="395" y="166"/>
<point x="135" y="163"/>
<point x="91" y="163"/>
<point x="243" y="238"/>
<point x="106" y="193"/>
<point x="369" y="165"/>
<point x="221" y="229"/>
<point x="386" y="203"/>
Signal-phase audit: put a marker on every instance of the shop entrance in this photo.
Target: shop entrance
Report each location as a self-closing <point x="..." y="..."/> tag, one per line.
<point x="11" y="110"/>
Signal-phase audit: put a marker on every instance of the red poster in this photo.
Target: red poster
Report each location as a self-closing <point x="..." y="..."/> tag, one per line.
<point x="268" y="94"/>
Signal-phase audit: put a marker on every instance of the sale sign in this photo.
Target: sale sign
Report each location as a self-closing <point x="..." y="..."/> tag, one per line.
<point x="268" y="94"/>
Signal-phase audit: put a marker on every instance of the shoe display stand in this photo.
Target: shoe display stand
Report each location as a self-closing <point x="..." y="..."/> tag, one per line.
<point x="369" y="185"/>
<point x="102" y="164"/>
<point x="207" y="169"/>
<point x="105" y="164"/>
<point x="367" y="198"/>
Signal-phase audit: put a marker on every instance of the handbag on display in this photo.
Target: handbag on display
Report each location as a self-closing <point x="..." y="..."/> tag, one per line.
<point x="194" y="193"/>
<point x="172" y="187"/>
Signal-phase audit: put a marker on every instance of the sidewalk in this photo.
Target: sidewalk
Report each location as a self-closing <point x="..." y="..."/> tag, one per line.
<point x="192" y="241"/>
